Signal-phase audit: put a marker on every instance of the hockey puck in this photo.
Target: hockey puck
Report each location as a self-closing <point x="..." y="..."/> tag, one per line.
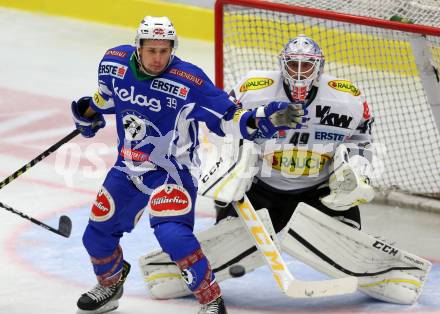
<point x="237" y="271"/>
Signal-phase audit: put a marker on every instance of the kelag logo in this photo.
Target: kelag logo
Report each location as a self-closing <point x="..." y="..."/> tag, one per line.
<point x="255" y="83"/>
<point x="136" y="99"/>
<point x="170" y="87"/>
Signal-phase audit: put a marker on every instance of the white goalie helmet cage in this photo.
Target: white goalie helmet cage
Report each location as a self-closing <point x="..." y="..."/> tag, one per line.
<point x="301" y="63"/>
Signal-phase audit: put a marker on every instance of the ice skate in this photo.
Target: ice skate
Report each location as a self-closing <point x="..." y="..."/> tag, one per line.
<point x="104" y="299"/>
<point x="215" y="307"/>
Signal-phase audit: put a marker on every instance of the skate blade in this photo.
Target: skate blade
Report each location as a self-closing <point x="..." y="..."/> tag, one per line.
<point x="108" y="307"/>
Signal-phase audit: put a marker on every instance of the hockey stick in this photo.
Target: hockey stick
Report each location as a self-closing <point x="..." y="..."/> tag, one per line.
<point x="39" y="158"/>
<point x="64" y="225"/>
<point x="292" y="287"/>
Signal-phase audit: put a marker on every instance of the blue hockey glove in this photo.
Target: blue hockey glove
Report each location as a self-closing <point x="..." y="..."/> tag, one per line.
<point x="277" y="116"/>
<point x="87" y="126"/>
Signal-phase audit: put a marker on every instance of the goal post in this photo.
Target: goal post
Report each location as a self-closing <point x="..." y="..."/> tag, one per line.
<point x="395" y="64"/>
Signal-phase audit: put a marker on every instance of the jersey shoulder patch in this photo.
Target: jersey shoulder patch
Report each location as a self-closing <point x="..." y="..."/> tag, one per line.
<point x="187" y="72"/>
<point x="256" y="80"/>
<point x="344" y="86"/>
<point x="115" y="62"/>
<point x="119" y="53"/>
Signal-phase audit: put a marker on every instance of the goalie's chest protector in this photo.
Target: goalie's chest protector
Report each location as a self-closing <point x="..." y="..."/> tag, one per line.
<point x="296" y="159"/>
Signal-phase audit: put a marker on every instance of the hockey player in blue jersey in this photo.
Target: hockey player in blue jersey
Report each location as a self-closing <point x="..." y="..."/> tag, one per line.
<point x="158" y="101"/>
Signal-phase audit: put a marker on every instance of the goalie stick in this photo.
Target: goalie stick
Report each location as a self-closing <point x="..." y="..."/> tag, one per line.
<point x="64" y="225"/>
<point x="292" y="287"/>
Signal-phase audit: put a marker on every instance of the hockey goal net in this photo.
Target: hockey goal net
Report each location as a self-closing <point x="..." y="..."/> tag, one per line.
<point x="360" y="43"/>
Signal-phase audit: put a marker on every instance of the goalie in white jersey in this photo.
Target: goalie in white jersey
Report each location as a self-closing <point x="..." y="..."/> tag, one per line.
<point x="324" y="163"/>
<point x="296" y="165"/>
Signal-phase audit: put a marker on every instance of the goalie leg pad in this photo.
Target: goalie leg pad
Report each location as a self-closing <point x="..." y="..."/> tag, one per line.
<point x="180" y="243"/>
<point x="162" y="277"/>
<point x="395" y="286"/>
<point x="384" y="272"/>
<point x="225" y="244"/>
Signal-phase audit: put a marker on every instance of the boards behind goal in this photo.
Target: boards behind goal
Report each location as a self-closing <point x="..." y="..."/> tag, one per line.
<point x="395" y="64"/>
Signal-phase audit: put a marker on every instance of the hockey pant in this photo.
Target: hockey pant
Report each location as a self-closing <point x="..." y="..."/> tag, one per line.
<point x="119" y="206"/>
<point x="281" y="205"/>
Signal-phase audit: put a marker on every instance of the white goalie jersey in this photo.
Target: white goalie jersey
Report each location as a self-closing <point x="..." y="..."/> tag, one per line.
<point x="298" y="159"/>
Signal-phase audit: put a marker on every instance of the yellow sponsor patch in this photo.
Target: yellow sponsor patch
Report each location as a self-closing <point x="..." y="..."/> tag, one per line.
<point x="298" y="162"/>
<point x="255" y="83"/>
<point x="98" y="100"/>
<point x="344" y="86"/>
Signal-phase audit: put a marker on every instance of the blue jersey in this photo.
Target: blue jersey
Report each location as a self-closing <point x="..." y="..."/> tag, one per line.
<point x="157" y="118"/>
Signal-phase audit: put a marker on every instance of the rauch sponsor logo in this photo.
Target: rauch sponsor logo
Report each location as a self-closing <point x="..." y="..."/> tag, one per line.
<point x="255" y="83"/>
<point x="344" y="86"/>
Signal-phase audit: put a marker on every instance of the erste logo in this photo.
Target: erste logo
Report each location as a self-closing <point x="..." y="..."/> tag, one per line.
<point x="170" y="87"/>
<point x="113" y="69"/>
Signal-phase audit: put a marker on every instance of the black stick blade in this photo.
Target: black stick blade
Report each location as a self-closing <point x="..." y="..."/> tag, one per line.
<point x="65" y="226"/>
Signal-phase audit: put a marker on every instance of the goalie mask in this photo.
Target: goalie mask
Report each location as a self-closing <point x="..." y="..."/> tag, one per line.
<point x="301" y="63"/>
<point x="155" y="28"/>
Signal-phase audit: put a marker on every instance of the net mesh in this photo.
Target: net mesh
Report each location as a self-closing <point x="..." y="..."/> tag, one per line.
<point x="379" y="61"/>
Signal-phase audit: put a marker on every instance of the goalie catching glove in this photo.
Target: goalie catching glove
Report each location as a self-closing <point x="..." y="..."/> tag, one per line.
<point x="277" y="116"/>
<point x="349" y="186"/>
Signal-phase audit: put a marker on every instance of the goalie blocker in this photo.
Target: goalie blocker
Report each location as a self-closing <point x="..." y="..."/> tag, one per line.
<point x="228" y="173"/>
